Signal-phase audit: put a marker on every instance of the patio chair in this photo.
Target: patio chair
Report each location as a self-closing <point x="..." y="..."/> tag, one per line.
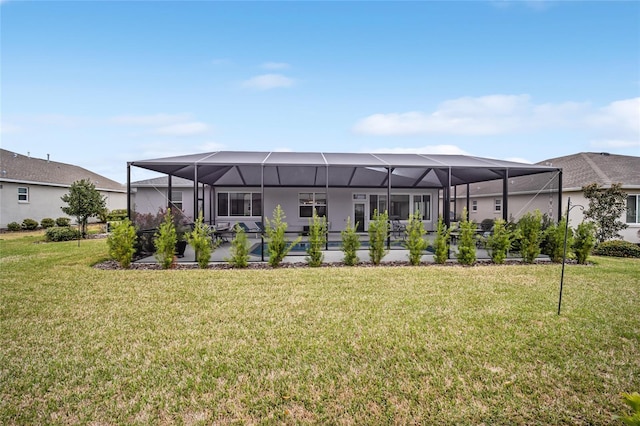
<point x="398" y="228"/>
<point x="251" y="227"/>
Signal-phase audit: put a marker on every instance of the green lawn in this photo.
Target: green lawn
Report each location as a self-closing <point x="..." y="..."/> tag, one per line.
<point x="400" y="345"/>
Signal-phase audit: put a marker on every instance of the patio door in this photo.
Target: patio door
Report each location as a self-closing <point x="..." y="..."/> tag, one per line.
<point x="359" y="215"/>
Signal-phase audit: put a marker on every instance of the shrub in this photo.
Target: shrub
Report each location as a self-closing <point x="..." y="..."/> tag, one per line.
<point x="486" y="225"/>
<point x="14" y="226"/>
<point x="62" y="233"/>
<point x="378" y="234"/>
<point x="633" y="401"/>
<point x="530" y="233"/>
<point x="165" y="241"/>
<point x="441" y="243"/>
<point x="317" y="239"/>
<point x="467" y="245"/>
<point x="239" y="249"/>
<point x="584" y="241"/>
<point x="200" y="240"/>
<point x="617" y="248"/>
<point x="47" y="222"/>
<point x="415" y="242"/>
<point x="121" y="243"/>
<point x="275" y="230"/>
<point x="553" y="241"/>
<point x="350" y="243"/>
<point x="117" y="214"/>
<point x="63" y="221"/>
<point x="499" y="242"/>
<point x="29" y="224"/>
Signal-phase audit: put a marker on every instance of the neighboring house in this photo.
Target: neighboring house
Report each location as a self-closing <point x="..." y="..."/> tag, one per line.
<point x="247" y="186"/>
<point x="538" y="191"/>
<point x="32" y="187"/>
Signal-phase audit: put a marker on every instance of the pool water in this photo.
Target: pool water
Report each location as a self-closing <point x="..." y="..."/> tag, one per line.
<point x="301" y="247"/>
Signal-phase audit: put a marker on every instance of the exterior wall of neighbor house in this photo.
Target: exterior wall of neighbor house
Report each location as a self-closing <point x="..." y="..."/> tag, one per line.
<point x="522" y="203"/>
<point x="149" y="200"/>
<point x="43" y="201"/>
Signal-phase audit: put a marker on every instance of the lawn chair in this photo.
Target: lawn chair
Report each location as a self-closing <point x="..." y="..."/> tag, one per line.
<point x="252" y="227"/>
<point x="398" y="229"/>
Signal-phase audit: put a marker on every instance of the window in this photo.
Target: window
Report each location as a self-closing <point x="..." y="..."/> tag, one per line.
<point x="422" y="204"/>
<point x="633" y="209"/>
<point x="377" y="202"/>
<point x="176" y="200"/>
<point x="307" y="201"/>
<point x="498" y="204"/>
<point x="474" y="206"/>
<point x="239" y="204"/>
<point x="399" y="207"/>
<point x="23" y="194"/>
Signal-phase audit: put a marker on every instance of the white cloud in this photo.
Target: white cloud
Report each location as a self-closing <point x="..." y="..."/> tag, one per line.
<point x="150" y="120"/>
<point x="479" y="116"/>
<point x="211" y="147"/>
<point x="428" y="149"/>
<point x="268" y="81"/>
<point x="282" y="149"/>
<point x="275" y="65"/>
<point x="623" y="115"/>
<point x="183" y="129"/>
<point x="615" y="143"/>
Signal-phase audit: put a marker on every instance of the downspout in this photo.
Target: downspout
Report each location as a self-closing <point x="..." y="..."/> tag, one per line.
<point x="129" y="190"/>
<point x="263" y="206"/>
<point x="505" y="196"/>
<point x="388" y="205"/>
<point x="195" y="192"/>
<point x="560" y="197"/>
<point x="170" y="192"/>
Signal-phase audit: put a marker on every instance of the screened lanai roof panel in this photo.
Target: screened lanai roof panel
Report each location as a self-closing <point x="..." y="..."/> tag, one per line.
<point x="295" y="158"/>
<point x="240" y="168"/>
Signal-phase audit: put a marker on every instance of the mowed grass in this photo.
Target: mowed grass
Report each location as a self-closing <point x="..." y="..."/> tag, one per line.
<point x="383" y="345"/>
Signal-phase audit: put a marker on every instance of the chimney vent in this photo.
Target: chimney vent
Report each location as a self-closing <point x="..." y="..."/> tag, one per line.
<point x="47" y="158"/>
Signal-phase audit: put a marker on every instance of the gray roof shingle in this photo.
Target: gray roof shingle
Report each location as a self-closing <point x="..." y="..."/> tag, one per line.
<point x="20" y="168"/>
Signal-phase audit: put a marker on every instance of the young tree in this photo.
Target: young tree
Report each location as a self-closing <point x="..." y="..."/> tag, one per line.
<point x="553" y="241"/>
<point x="200" y="240"/>
<point x="499" y="242"/>
<point x="317" y="239"/>
<point x="239" y="248"/>
<point x="441" y="243"/>
<point x="121" y="243"/>
<point x="350" y="243"/>
<point x="584" y="241"/>
<point x="606" y="206"/>
<point x="530" y="233"/>
<point x="378" y="234"/>
<point x="165" y="241"/>
<point x="279" y="247"/>
<point x="415" y="242"/>
<point x="467" y="246"/>
<point x="84" y="201"/>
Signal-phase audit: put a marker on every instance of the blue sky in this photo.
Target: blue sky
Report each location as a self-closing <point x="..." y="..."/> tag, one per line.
<point x="98" y="84"/>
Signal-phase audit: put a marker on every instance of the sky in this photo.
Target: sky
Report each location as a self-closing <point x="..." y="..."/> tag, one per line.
<point x="99" y="83"/>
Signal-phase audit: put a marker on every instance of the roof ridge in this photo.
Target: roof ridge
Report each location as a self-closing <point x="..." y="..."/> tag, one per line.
<point x="598" y="170"/>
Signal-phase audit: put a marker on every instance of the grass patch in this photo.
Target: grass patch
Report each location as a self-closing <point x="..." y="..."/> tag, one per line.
<point x="426" y="345"/>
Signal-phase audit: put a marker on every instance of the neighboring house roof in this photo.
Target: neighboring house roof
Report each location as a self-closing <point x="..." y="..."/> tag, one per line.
<point x="19" y="168"/>
<point x="288" y="169"/>
<point x="578" y="170"/>
<point x="597" y="167"/>
<point x="163" y="181"/>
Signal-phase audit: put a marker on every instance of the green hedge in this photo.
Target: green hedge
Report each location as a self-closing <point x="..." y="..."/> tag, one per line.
<point x="62" y="233"/>
<point x="47" y="222"/>
<point x="617" y="248"/>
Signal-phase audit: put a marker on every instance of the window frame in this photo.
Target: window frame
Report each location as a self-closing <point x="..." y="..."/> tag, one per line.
<point x="474" y="205"/>
<point x="637" y="209"/>
<point x="497" y="205"/>
<point x="24" y="194"/>
<point x="174" y="200"/>
<point x="424" y="199"/>
<point x="253" y="198"/>
<point x="319" y="204"/>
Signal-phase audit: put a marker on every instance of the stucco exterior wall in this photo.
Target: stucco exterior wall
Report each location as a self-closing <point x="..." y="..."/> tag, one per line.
<point x="44" y="202"/>
<point x="340" y="204"/>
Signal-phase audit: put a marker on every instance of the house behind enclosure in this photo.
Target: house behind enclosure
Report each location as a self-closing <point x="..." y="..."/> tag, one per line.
<point x="533" y="192"/>
<point x="32" y="187"/>
<point x="247" y="186"/>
